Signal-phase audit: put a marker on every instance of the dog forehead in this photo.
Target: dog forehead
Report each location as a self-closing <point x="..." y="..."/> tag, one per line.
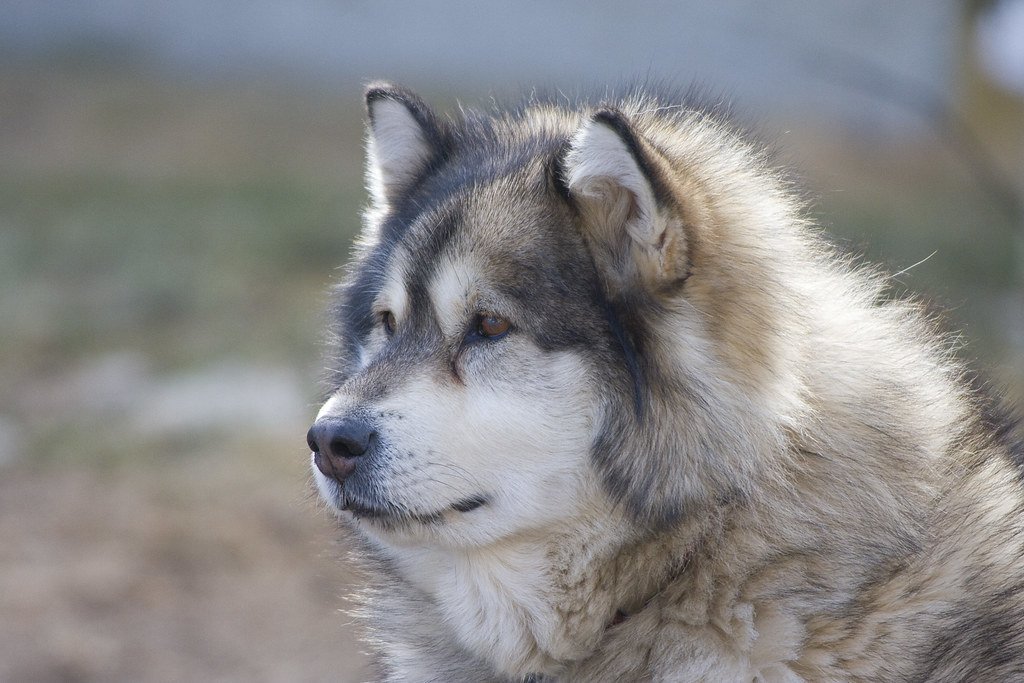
<point x="485" y="257"/>
<point x="487" y="224"/>
<point x="510" y="239"/>
<point x="453" y="284"/>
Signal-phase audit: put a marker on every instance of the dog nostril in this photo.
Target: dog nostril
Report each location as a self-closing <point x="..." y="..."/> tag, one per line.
<point x="311" y="441"/>
<point x="352" y="441"/>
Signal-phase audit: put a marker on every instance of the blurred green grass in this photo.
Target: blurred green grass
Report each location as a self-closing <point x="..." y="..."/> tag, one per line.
<point x="185" y="273"/>
<point x="186" y="269"/>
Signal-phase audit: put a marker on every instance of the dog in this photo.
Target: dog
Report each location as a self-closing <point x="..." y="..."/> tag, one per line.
<point x="603" y="405"/>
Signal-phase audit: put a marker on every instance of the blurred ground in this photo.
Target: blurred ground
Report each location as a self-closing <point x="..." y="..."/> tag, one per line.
<point x="209" y="569"/>
<point x="164" y="252"/>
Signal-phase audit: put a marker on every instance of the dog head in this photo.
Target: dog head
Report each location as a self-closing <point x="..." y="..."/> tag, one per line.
<point x="524" y="334"/>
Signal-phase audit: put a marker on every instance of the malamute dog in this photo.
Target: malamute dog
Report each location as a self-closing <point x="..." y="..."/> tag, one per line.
<point x="603" y="406"/>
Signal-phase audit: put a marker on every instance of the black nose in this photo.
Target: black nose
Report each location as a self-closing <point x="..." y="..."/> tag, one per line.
<point x="336" y="443"/>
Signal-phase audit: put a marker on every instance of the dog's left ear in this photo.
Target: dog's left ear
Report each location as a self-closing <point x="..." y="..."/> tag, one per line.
<point x="623" y="187"/>
<point x="402" y="139"/>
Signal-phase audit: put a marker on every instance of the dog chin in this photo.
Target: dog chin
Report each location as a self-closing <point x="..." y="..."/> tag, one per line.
<point x="329" y="490"/>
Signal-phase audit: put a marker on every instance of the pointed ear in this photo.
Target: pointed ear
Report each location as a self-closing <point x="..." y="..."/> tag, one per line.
<point x="623" y="187"/>
<point x="402" y="140"/>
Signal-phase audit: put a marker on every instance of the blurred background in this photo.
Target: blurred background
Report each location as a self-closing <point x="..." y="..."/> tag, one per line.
<point x="180" y="180"/>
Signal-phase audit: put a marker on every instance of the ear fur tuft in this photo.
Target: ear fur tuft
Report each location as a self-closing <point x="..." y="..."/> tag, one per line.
<point x="619" y="181"/>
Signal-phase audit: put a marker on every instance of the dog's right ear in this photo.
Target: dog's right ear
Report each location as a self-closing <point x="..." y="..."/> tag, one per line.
<point x="403" y="138"/>
<point x="634" y="222"/>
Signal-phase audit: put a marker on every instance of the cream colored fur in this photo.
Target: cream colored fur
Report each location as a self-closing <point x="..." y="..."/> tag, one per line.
<point x="844" y="502"/>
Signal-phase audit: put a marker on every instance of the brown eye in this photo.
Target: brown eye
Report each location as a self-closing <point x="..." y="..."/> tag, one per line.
<point x="492" y="326"/>
<point x="388" y="318"/>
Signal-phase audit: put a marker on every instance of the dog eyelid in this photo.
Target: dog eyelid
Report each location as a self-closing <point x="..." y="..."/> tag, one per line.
<point x="388" y="321"/>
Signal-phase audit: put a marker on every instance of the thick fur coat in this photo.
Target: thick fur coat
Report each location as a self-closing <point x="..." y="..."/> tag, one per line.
<point x="603" y="406"/>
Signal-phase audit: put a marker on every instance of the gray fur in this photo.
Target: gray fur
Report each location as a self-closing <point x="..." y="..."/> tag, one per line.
<point x="708" y="448"/>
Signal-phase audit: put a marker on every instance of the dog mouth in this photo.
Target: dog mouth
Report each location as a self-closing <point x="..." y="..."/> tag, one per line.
<point x="364" y="501"/>
<point x="390" y="514"/>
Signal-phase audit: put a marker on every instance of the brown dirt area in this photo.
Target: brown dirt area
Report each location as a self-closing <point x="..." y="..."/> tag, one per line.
<point x="200" y="569"/>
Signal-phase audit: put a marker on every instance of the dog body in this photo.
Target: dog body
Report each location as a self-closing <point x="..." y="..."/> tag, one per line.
<point x="603" y="407"/>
